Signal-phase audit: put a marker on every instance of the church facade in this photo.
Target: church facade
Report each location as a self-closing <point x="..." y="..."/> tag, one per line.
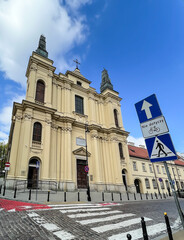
<point x="66" y="132"/>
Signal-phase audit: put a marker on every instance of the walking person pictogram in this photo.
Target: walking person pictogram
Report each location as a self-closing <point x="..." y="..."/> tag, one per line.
<point x="161" y="148"/>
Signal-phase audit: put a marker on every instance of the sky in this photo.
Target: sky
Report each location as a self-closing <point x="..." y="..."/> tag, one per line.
<point x="140" y="43"/>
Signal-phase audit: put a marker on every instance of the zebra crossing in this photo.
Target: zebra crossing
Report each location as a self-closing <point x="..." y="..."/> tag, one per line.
<point x="107" y="222"/>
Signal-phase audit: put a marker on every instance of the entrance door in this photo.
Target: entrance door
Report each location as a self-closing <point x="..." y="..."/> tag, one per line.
<point x="33" y="173"/>
<point x="124" y="178"/>
<point x="137" y="185"/>
<point x="81" y="174"/>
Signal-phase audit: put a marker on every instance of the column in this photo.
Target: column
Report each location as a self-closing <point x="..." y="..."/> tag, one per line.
<point x="46" y="147"/>
<point x="59" y="99"/>
<point x="14" y="146"/>
<point x="24" y="144"/>
<point x="95" y="157"/>
<point x="31" y="90"/>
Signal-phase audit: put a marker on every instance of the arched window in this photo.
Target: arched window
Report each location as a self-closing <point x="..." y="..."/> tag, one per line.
<point x="147" y="183"/>
<point x="37" y="132"/>
<point x="40" y="91"/>
<point x="121" y="151"/>
<point x="116" y="117"/>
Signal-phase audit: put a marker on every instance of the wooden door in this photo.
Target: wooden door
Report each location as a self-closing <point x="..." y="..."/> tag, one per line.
<point x="81" y="174"/>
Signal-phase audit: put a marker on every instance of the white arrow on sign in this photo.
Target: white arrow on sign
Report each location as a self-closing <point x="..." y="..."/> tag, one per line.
<point x="146" y="106"/>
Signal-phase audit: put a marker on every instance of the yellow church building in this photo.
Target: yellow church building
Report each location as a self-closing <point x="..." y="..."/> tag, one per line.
<point x="66" y="132"/>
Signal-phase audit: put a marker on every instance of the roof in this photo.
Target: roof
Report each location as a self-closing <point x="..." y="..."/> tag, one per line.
<point x="138" y="152"/>
<point x="179" y="162"/>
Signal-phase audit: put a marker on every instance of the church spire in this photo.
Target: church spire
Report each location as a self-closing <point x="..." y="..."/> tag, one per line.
<point x="106" y="82"/>
<point x="41" y="50"/>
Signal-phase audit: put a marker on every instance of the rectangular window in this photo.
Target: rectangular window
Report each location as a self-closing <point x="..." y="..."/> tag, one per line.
<point x="154" y="184"/>
<point x="143" y="167"/>
<point x="150" y="167"/>
<point x="134" y="166"/>
<point x="179" y="172"/>
<point x="173" y="171"/>
<point x="79" y="107"/>
<point x="158" y="169"/>
<point x="147" y="183"/>
<point x="163" y="170"/>
<point x="162" y="185"/>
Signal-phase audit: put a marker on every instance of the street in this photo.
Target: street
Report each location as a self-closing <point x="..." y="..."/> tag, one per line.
<point x="26" y="221"/>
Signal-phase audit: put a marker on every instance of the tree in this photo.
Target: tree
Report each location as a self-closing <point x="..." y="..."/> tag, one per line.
<point x="3" y="157"/>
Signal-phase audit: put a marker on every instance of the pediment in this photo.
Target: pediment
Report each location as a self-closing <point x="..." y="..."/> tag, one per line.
<point x="81" y="151"/>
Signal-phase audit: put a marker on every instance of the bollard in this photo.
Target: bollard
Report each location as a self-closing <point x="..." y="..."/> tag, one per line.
<point x="160" y="196"/>
<point x="48" y="196"/>
<point x="144" y="230"/>
<point x="4" y="190"/>
<point x="146" y="196"/>
<point x="15" y="192"/>
<point x="127" y="196"/>
<point x="151" y="196"/>
<point x="134" y="196"/>
<point x="29" y="194"/>
<point x="129" y="237"/>
<point x="141" y="195"/>
<point x="120" y="197"/>
<point x="156" y="196"/>
<point x="103" y="196"/>
<point x="112" y="196"/>
<point x="78" y="196"/>
<point x="169" y="231"/>
<point x="0" y="188"/>
<point x="65" y="196"/>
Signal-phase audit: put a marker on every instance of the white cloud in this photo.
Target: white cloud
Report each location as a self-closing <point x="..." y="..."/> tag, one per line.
<point x="136" y="141"/>
<point x="22" y="23"/>
<point x="5" y="117"/>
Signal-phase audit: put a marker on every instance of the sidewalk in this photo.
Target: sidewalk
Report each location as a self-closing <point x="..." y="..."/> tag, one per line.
<point x="176" y="236"/>
<point x="81" y="196"/>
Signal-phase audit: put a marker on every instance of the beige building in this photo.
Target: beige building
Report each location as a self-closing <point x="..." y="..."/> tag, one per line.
<point x="49" y="128"/>
<point x="151" y="177"/>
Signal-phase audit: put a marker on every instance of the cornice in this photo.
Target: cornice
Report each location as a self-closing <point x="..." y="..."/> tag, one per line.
<point x="77" y="76"/>
<point x="38" y="62"/>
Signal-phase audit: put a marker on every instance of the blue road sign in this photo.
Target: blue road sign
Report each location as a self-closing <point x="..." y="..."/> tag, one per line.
<point x="160" y="148"/>
<point x="148" y="108"/>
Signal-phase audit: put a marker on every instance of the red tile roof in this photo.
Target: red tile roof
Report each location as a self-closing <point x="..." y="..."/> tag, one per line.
<point x="138" y="152"/>
<point x="179" y="162"/>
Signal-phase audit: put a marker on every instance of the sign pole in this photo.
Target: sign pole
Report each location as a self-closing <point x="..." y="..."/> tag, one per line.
<point x="174" y="194"/>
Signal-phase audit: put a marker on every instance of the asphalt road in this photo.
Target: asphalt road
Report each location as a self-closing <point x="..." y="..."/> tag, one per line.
<point x="19" y="221"/>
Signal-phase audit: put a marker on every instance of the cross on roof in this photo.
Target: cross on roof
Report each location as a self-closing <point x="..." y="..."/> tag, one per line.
<point x="77" y="62"/>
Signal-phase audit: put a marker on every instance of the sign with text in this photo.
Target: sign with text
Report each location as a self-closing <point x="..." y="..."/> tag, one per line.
<point x="81" y="142"/>
<point x="154" y="127"/>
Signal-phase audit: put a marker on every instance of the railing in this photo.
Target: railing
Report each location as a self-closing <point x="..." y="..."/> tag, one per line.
<point x="33" y="184"/>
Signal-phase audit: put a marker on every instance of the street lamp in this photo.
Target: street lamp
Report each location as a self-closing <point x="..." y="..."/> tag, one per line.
<point x="88" y="187"/>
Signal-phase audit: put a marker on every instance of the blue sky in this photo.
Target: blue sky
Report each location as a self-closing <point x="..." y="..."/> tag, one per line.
<point x="140" y="43"/>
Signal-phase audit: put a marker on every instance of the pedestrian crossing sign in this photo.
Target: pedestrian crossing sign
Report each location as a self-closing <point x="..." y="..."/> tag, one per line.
<point x="160" y="148"/>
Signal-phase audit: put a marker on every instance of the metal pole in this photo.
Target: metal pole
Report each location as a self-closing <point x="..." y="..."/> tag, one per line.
<point x="174" y="194"/>
<point x="156" y="179"/>
<point x="88" y="187"/>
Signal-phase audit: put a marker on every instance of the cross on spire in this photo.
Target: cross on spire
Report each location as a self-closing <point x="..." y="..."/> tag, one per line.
<point x="77" y="62"/>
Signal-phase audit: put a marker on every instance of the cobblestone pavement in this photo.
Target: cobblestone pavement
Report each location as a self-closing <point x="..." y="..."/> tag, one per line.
<point x="25" y="221"/>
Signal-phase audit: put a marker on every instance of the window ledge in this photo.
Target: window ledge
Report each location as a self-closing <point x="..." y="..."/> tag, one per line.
<point x="80" y="114"/>
<point x="40" y="103"/>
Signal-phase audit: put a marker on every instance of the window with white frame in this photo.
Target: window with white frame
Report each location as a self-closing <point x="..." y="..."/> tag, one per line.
<point x="154" y="184"/>
<point x="162" y="185"/>
<point x="158" y="169"/>
<point x="179" y="173"/>
<point x="134" y="166"/>
<point x="143" y="167"/>
<point x="147" y="183"/>
<point x="150" y="168"/>
<point x="163" y="170"/>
